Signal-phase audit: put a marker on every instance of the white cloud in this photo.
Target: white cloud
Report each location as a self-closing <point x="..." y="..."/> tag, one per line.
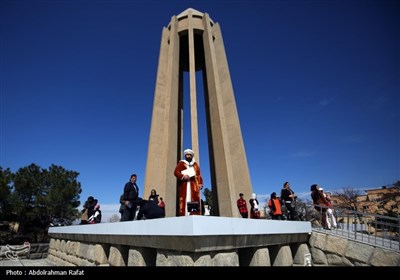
<point x="108" y="210"/>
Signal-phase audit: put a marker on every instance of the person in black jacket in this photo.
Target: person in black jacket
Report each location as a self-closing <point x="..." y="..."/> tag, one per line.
<point x="154" y="196"/>
<point x="96" y="217"/>
<point x="130" y="199"/>
<point x="122" y="205"/>
<point x="149" y="209"/>
<point x="88" y="209"/>
<point x="289" y="198"/>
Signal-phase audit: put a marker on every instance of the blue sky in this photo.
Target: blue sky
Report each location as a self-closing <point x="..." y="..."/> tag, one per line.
<point x="316" y="84"/>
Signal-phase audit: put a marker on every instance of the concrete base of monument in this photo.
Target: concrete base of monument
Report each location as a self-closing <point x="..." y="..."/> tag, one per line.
<point x="182" y="241"/>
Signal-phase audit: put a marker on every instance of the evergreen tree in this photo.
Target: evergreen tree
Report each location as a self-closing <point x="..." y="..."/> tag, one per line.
<point x="6" y="197"/>
<point x="62" y="193"/>
<point x="38" y="196"/>
<point x="28" y="189"/>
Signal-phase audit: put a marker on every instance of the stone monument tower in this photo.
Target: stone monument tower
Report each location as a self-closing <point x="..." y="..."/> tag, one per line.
<point x="193" y="42"/>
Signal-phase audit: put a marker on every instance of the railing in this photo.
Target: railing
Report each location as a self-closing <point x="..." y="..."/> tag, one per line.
<point x="378" y="230"/>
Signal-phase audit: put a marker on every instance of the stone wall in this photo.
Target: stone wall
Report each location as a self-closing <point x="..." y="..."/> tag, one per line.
<point x="321" y="250"/>
<point x="209" y="241"/>
<point x="72" y="253"/>
<point x="329" y="250"/>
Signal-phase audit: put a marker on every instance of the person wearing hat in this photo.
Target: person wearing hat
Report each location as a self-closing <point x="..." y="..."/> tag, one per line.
<point x="254" y="207"/>
<point x="242" y="206"/>
<point x="190" y="183"/>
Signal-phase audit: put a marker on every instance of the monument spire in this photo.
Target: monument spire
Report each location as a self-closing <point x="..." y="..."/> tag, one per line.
<point x="193" y="42"/>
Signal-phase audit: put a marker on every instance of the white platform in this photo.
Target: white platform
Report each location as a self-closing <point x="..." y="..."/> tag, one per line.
<point x="190" y="226"/>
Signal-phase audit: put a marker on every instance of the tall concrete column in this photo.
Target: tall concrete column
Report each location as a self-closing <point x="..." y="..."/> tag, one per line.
<point x="193" y="42"/>
<point x="193" y="97"/>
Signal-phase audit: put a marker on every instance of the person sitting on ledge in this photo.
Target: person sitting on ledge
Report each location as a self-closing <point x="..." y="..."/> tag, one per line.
<point x="149" y="209"/>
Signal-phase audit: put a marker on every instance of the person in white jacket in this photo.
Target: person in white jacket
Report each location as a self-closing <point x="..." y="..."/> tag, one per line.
<point x="330" y="217"/>
<point x="254" y="207"/>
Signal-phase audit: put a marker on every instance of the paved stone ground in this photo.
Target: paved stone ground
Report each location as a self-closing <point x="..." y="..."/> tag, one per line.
<point x="25" y="262"/>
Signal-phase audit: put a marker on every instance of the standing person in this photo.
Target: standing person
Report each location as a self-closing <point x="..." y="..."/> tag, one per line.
<point x="154" y="196"/>
<point x="207" y="210"/>
<point x="275" y="205"/>
<point x="190" y="183"/>
<point x="254" y="207"/>
<point x="242" y="206"/>
<point x="331" y="212"/>
<point x="130" y="199"/>
<point x="202" y="207"/>
<point x="330" y="217"/>
<point x="122" y="205"/>
<point x="289" y="198"/>
<point x="161" y="204"/>
<point x="320" y="203"/>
